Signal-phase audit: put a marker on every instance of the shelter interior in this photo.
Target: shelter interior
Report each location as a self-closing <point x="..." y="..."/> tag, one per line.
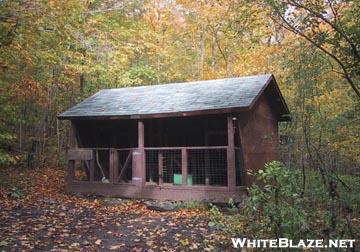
<point x="164" y="139"/>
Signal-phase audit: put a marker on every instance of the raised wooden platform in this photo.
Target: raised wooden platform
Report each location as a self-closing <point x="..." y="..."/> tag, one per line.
<point x="164" y="192"/>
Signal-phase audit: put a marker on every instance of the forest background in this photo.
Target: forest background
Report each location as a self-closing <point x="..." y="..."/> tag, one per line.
<point x="54" y="53"/>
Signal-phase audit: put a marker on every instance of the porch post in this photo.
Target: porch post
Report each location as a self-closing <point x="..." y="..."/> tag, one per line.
<point x="161" y="167"/>
<point x="139" y="158"/>
<point x="92" y="167"/>
<point x="72" y="144"/>
<point x="231" y="170"/>
<point x="113" y="165"/>
<point x="184" y="166"/>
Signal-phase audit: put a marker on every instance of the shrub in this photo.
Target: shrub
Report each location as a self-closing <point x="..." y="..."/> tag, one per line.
<point x="190" y="204"/>
<point x="281" y="207"/>
<point x="276" y="208"/>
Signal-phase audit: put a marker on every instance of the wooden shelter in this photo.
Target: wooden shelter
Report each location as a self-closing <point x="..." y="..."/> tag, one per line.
<point x="180" y="141"/>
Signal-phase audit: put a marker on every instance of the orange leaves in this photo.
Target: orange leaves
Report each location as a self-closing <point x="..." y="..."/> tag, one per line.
<point x="49" y="219"/>
<point x="29" y="89"/>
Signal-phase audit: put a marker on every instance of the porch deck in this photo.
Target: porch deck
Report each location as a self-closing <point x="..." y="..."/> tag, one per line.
<point x="181" y="173"/>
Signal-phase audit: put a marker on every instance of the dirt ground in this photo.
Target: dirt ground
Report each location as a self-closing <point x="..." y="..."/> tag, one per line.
<point x="37" y="215"/>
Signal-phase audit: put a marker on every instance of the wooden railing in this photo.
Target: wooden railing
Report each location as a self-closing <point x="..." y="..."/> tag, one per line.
<point x="198" y="165"/>
<point x="108" y="165"/>
<point x="195" y="165"/>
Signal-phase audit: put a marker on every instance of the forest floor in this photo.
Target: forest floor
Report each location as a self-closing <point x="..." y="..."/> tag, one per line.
<point x="37" y="214"/>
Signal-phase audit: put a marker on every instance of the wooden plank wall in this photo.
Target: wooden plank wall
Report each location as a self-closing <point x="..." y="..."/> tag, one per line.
<point x="258" y="137"/>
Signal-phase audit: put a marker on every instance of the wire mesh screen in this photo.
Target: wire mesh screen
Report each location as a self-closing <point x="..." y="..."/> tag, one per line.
<point x="163" y="166"/>
<point x="171" y="163"/>
<point x="101" y="165"/>
<point x="124" y="165"/>
<point x="208" y="166"/>
<point x="152" y="166"/>
<point x="238" y="166"/>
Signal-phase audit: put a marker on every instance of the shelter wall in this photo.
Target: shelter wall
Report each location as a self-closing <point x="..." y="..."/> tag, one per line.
<point x="259" y="137"/>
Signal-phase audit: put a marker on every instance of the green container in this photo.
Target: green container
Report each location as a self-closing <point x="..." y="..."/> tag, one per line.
<point x="178" y="179"/>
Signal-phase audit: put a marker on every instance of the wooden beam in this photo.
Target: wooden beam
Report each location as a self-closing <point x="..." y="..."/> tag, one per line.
<point x="80" y="154"/>
<point x="184" y="166"/>
<point x="159" y="115"/>
<point x="138" y="169"/>
<point x="71" y="171"/>
<point x="187" y="147"/>
<point x="92" y="169"/>
<point x="241" y="151"/>
<point x="207" y="167"/>
<point x="113" y="165"/>
<point x="72" y="145"/>
<point x="243" y="120"/>
<point x="161" y="167"/>
<point x="124" y="167"/>
<point x="231" y="169"/>
<point x="141" y="141"/>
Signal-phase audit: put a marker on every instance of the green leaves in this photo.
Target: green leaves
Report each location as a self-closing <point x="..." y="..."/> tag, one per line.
<point x="328" y="26"/>
<point x="16" y="193"/>
<point x="276" y="208"/>
<point x="6" y="140"/>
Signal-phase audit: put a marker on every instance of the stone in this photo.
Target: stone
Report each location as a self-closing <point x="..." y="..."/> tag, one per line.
<point x="161" y="206"/>
<point x="112" y="202"/>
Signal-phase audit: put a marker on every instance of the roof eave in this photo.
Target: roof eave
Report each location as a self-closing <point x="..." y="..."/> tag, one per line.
<point x="286" y="113"/>
<point x="158" y="115"/>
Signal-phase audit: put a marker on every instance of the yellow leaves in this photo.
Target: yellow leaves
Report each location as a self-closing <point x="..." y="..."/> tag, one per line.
<point x="150" y="243"/>
<point x="184" y="242"/>
<point x="116" y="247"/>
<point x="74" y="245"/>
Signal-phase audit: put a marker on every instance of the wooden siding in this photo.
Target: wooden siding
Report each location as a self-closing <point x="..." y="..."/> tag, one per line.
<point x="259" y="137"/>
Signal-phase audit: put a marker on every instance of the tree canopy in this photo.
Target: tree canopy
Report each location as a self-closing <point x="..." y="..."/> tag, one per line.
<point x="55" y="53"/>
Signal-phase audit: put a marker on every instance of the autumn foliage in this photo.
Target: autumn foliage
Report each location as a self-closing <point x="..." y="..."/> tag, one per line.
<point x="55" y="53"/>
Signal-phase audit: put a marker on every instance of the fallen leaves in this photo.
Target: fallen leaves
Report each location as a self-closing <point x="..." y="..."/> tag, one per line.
<point x="116" y="247"/>
<point x="49" y="219"/>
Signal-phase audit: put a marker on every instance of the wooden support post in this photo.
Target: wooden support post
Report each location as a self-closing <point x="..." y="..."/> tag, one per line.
<point x="207" y="160"/>
<point x="242" y="154"/>
<point x="72" y="145"/>
<point x="71" y="171"/>
<point x="92" y="168"/>
<point x="161" y="167"/>
<point x="113" y="165"/>
<point x="116" y="165"/>
<point x="207" y="167"/>
<point x="141" y="141"/>
<point x="184" y="166"/>
<point x="125" y="166"/>
<point x="241" y="157"/>
<point x="139" y="175"/>
<point x="231" y="170"/>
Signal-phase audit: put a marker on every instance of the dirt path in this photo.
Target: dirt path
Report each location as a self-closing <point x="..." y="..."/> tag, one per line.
<point x="39" y="215"/>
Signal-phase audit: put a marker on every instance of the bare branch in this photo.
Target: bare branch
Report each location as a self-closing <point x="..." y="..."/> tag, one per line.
<point x="332" y="25"/>
<point x="288" y="26"/>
